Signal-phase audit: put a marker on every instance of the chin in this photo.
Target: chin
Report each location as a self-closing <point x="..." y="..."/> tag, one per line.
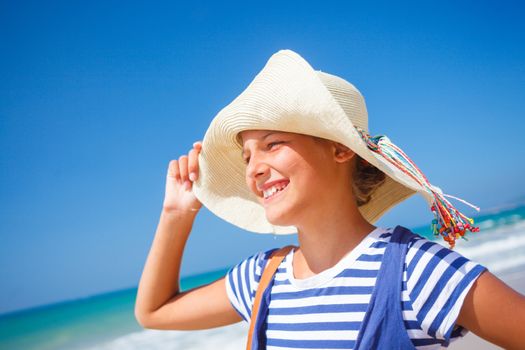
<point x="286" y="211"/>
<point x="279" y="218"/>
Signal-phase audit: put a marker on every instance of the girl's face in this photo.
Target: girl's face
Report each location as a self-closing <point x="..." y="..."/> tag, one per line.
<point x="291" y="174"/>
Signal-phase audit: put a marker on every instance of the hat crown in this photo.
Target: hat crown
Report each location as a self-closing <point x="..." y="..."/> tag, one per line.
<point x="347" y="97"/>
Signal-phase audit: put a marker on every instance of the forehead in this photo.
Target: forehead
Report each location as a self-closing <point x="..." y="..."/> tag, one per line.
<point x="254" y="136"/>
<point x="246" y="135"/>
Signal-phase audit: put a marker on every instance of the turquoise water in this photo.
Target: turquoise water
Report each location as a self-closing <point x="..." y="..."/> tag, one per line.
<point x="91" y="321"/>
<point x="80" y="323"/>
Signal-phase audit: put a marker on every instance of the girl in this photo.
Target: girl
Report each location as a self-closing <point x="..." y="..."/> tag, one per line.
<point x="292" y="154"/>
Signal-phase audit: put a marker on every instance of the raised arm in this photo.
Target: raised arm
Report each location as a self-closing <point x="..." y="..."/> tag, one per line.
<point x="495" y="312"/>
<point x="159" y="303"/>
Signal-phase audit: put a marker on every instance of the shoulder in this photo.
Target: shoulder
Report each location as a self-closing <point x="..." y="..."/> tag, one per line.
<point x="243" y="279"/>
<point x="432" y="259"/>
<point x="437" y="280"/>
<point x="431" y="267"/>
<point x="252" y="265"/>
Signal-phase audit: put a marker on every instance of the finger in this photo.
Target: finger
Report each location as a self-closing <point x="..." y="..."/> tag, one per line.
<point x="197" y="145"/>
<point x="193" y="165"/>
<point x="173" y="169"/>
<point x="183" y="168"/>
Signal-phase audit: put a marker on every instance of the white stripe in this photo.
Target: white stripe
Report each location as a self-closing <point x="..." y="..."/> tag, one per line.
<point x="354" y="282"/>
<point x="409" y="315"/>
<point x="281" y="276"/>
<point x="413" y="250"/>
<point x="405" y="296"/>
<point x="257" y="259"/>
<point x="418" y="334"/>
<point x="244" y="288"/>
<point x="322" y="317"/>
<point x="366" y="265"/>
<point x="252" y="285"/>
<point x="337" y="282"/>
<point x="373" y="251"/>
<point x="313" y="335"/>
<point x="321" y="300"/>
<point x="237" y="293"/>
<point x="232" y="295"/>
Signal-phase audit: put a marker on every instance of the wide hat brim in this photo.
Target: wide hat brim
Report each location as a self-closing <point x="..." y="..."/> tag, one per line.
<point x="287" y="95"/>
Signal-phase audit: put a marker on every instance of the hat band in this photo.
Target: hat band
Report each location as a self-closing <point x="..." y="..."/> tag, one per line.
<point x="448" y="221"/>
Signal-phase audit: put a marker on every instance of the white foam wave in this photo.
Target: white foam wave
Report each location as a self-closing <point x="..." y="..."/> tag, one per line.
<point x="225" y="338"/>
<point x="496" y="247"/>
<point x="499" y="249"/>
<point x="500" y="266"/>
<point x="488" y="224"/>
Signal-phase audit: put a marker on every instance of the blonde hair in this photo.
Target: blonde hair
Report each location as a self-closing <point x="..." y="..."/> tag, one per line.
<point x="366" y="179"/>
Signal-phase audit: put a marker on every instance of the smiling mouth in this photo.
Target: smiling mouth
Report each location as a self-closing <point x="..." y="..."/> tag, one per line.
<point x="272" y="191"/>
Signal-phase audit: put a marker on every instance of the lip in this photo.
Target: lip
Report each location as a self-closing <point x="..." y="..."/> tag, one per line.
<point x="275" y="196"/>
<point x="271" y="183"/>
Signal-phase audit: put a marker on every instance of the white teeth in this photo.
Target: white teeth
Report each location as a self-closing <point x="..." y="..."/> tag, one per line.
<point x="271" y="191"/>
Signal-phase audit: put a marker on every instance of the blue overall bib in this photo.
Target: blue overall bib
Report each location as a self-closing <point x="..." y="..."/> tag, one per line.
<point x="383" y="326"/>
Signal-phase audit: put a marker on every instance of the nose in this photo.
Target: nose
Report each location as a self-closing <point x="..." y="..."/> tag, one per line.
<point x="256" y="169"/>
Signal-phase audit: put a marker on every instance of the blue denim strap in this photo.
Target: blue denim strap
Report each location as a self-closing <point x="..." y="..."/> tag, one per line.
<point x="383" y="326"/>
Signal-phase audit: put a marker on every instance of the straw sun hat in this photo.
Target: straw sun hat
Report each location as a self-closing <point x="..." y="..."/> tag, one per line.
<point x="289" y="95"/>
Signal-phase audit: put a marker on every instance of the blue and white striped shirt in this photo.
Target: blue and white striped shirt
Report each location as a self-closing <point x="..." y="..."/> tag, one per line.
<point x="325" y="311"/>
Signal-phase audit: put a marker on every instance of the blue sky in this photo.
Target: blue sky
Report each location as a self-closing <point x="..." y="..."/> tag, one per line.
<point x="97" y="97"/>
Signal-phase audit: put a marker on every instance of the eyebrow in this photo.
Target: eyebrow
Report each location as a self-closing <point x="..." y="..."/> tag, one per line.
<point x="262" y="139"/>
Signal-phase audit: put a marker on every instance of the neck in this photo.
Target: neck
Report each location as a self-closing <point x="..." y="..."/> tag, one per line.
<point x="326" y="237"/>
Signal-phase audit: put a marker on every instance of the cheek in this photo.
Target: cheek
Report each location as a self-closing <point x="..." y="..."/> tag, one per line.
<point x="303" y="174"/>
<point x="314" y="173"/>
<point x="250" y="184"/>
<point x="289" y="161"/>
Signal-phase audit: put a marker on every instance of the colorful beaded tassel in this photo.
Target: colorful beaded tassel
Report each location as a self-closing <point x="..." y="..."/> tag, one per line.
<point x="448" y="221"/>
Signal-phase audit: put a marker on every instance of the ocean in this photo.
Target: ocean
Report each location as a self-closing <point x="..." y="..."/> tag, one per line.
<point x="107" y="321"/>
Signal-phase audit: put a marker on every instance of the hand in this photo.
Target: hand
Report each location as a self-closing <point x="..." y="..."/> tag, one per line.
<point x="179" y="182"/>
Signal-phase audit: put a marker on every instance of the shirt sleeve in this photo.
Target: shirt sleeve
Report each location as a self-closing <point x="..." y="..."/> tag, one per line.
<point x="242" y="281"/>
<point x="438" y="280"/>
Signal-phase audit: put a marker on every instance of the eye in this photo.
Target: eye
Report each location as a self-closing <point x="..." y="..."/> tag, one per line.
<point x="273" y="144"/>
<point x="246" y="160"/>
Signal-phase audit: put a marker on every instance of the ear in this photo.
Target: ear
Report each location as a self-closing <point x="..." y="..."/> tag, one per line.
<point x="342" y="153"/>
